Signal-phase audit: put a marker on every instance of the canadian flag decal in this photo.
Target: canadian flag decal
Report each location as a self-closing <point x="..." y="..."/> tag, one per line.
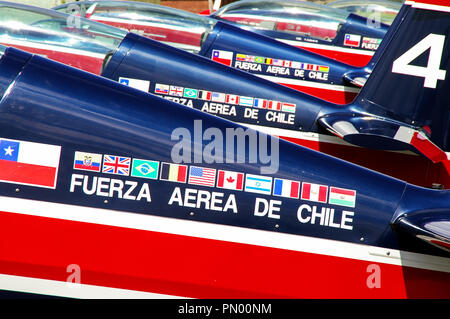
<point x="230" y="180"/>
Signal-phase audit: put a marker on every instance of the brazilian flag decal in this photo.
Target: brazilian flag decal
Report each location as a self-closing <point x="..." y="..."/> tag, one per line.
<point x="145" y="168"/>
<point x="190" y="93"/>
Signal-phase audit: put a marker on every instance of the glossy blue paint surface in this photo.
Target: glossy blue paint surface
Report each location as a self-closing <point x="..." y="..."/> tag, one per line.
<point x="228" y="37"/>
<point x="146" y="59"/>
<point x="353" y="25"/>
<point x="356" y="24"/>
<point x="405" y="97"/>
<point x="385" y="104"/>
<point x="55" y="104"/>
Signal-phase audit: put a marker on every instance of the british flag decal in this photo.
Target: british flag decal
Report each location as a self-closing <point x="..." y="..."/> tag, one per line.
<point x="116" y="165"/>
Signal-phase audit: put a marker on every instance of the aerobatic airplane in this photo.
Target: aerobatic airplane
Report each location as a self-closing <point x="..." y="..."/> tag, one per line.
<point x="327" y="31"/>
<point x="334" y="33"/>
<point x="96" y="203"/>
<point x="87" y="45"/>
<point x="379" y="10"/>
<point x="386" y="127"/>
<point x="175" y="27"/>
<point x="394" y="165"/>
<point x="80" y="43"/>
<point x="281" y="63"/>
<point x="253" y="50"/>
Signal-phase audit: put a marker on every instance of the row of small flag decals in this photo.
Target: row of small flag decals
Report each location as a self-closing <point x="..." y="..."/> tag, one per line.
<point x="283" y="63"/>
<point x="218" y="97"/>
<point x="354" y="40"/>
<point x="371" y="40"/>
<point x="211" y="177"/>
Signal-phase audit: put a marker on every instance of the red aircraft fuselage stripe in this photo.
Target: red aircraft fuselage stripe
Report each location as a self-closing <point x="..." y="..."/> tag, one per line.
<point x="41" y="247"/>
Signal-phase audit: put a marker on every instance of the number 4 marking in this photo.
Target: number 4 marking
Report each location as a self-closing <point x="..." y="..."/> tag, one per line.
<point x="432" y="73"/>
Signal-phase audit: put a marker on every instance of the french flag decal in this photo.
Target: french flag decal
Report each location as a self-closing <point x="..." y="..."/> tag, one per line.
<point x="286" y="188"/>
<point x="260" y="103"/>
<point x="29" y="163"/>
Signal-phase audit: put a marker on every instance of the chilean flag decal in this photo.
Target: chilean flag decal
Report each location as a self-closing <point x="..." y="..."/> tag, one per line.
<point x="29" y="163"/>
<point x="352" y="40"/>
<point x="224" y="57"/>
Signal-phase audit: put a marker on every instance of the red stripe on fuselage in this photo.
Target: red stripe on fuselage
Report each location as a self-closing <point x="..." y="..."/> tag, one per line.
<point x="354" y="59"/>
<point x="41" y="247"/>
<point x="444" y="3"/>
<point x="158" y="33"/>
<point x="83" y="62"/>
<point x="333" y="96"/>
<point x="24" y="173"/>
<point x="399" y="165"/>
